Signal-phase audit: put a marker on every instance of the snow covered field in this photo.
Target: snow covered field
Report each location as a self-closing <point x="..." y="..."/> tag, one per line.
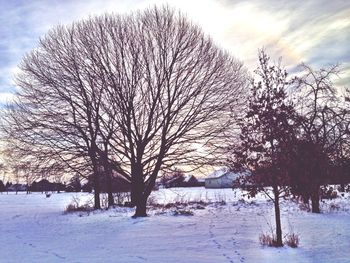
<point x="35" y="229"/>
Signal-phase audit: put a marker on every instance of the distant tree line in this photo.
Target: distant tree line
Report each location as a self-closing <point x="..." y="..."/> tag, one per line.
<point x="74" y="185"/>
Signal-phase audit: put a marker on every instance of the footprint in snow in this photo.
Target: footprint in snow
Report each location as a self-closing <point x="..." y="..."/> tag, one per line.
<point x="138" y="221"/>
<point x="217" y="244"/>
<point x="57" y="255"/>
<point x="228" y="258"/>
<point x="29" y="244"/>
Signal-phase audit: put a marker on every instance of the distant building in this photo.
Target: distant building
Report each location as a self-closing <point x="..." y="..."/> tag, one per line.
<point x="190" y="180"/>
<point x="221" y="178"/>
<point x="201" y="181"/>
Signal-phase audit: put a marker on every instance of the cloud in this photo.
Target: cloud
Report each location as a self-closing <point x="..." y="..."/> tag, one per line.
<point x="316" y="32"/>
<point x="22" y="23"/>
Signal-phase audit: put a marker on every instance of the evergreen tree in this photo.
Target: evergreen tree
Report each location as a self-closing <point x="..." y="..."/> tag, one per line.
<point x="267" y="133"/>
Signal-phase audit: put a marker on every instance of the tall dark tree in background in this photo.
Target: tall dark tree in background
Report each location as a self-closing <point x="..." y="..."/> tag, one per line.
<point x="2" y="170"/>
<point x="267" y="133"/>
<point x="131" y="94"/>
<point x="324" y="131"/>
<point x="3" y="177"/>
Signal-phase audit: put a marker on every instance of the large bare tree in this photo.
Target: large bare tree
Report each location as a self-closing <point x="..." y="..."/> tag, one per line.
<point x="133" y="93"/>
<point x="171" y="96"/>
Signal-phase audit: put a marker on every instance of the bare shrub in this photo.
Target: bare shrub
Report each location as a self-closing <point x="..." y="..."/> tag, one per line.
<point x="269" y="240"/>
<point x="292" y="240"/>
<point x="304" y="206"/>
<point x="334" y="207"/>
<point x="71" y="208"/>
<point x="328" y="192"/>
<point x="178" y="208"/>
<point x="199" y="205"/>
<point x="75" y="206"/>
<point x="183" y="212"/>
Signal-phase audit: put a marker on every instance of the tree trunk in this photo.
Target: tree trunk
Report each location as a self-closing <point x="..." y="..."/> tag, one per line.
<point x="140" y="190"/>
<point x="139" y="198"/>
<point x="133" y="197"/>
<point x="141" y="210"/>
<point x="110" y="190"/>
<point x="97" y="201"/>
<point x="108" y="174"/>
<point x="137" y="186"/>
<point x="315" y="200"/>
<point x="278" y="218"/>
<point x="97" y="204"/>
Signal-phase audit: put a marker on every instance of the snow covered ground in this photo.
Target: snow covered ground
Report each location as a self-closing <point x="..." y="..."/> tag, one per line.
<point x="35" y="229"/>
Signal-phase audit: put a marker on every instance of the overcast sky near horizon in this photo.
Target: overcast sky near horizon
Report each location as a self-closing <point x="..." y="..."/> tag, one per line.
<point x="315" y="32"/>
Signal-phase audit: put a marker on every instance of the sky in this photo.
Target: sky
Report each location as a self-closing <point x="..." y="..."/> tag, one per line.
<point x="315" y="32"/>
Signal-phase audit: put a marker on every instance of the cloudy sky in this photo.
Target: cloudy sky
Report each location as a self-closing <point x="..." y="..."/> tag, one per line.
<point x="316" y="32"/>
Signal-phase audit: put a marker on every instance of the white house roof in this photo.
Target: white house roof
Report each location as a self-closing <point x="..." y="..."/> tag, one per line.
<point x="218" y="173"/>
<point x="225" y="172"/>
<point x="188" y="178"/>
